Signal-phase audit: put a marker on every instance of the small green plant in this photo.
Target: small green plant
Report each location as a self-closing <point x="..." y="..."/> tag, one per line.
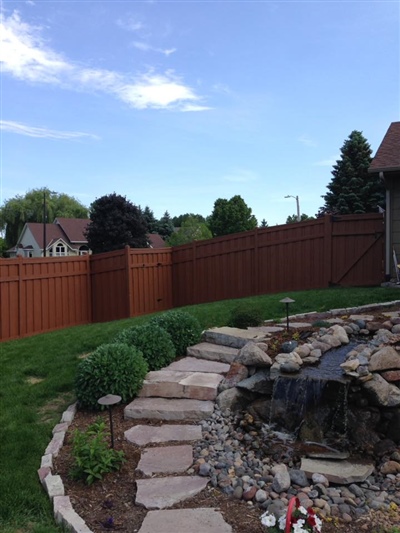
<point x="92" y="456"/>
<point x="296" y="336"/>
<point x="111" y="369"/>
<point x="244" y="316"/>
<point x="184" y="329"/>
<point x="153" y="341"/>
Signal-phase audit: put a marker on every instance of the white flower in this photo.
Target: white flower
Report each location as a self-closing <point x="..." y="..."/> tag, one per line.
<point x="268" y="520"/>
<point x="298" y="526"/>
<point x="282" y="522"/>
<point x="318" y="523"/>
<point x="302" y="510"/>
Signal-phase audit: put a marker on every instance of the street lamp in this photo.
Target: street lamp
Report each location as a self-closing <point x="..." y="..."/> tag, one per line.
<point x="297" y="205"/>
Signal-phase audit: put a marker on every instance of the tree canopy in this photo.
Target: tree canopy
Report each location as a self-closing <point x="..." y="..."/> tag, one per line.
<point x="16" y="211"/>
<point x="231" y="216"/>
<point x="352" y="189"/>
<point x="178" y="221"/>
<point x="115" y="223"/>
<point x="150" y="219"/>
<point x="192" y="229"/>
<point x="293" y="218"/>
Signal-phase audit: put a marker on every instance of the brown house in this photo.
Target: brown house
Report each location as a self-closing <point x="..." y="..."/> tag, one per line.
<point x="386" y="164"/>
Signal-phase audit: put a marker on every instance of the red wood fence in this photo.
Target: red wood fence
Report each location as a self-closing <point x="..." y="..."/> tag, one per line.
<point x="38" y="295"/>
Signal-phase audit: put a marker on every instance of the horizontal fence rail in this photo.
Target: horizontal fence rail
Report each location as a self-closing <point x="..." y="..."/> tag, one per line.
<point x="39" y="295"/>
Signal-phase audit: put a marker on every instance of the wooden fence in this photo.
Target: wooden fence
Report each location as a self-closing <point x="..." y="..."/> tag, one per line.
<point x="38" y="295"/>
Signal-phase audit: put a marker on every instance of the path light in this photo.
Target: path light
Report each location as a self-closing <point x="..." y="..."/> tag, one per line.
<point x="109" y="401"/>
<point x="287" y="301"/>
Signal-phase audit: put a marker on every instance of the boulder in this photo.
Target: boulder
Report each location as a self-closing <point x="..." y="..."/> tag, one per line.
<point x="381" y="393"/>
<point x="340" y="333"/>
<point x="303" y="350"/>
<point x="281" y="480"/>
<point x="252" y="355"/>
<point x="237" y="373"/>
<point x="260" y="382"/>
<point x="387" y="358"/>
<point x="232" y="399"/>
<point x="292" y="357"/>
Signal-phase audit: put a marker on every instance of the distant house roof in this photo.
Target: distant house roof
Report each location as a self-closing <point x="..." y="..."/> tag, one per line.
<point x="156" y="241"/>
<point x="74" y="228"/>
<point x="53" y="232"/>
<point x="387" y="157"/>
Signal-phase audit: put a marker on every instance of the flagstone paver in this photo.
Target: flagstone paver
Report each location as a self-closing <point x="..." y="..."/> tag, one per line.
<point x="169" y="409"/>
<point x="213" y="352"/>
<point x="173" y="384"/>
<point x="142" y="435"/>
<point x="160" y="493"/>
<point x="233" y="337"/>
<point x="165" y="460"/>
<point x="194" y="364"/>
<point x="202" y="520"/>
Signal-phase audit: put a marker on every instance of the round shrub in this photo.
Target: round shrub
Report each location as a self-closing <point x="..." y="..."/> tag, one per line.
<point x="184" y="329"/>
<point x="110" y="369"/>
<point x="153" y="341"/>
<point x="244" y="316"/>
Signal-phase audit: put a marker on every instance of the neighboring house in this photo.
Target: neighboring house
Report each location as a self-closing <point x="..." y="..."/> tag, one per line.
<point x="386" y="164"/>
<point x="64" y="237"/>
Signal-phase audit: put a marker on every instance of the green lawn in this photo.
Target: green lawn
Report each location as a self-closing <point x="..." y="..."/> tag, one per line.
<point x="37" y="385"/>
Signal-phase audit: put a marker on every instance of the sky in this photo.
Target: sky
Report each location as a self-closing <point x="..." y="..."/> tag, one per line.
<point x="175" y="104"/>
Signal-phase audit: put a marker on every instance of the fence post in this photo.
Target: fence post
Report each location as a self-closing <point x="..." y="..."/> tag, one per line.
<point x="89" y="288"/>
<point x="20" y="295"/>
<point x="128" y="281"/>
<point x="256" y="265"/>
<point x="194" y="272"/>
<point x="328" y="230"/>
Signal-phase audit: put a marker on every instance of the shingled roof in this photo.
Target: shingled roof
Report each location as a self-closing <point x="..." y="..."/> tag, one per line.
<point x="387" y="157"/>
<point x="74" y="228"/>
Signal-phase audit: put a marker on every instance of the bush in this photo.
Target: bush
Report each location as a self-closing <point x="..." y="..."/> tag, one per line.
<point x="184" y="329"/>
<point x="244" y="316"/>
<point x="92" y="455"/>
<point x="153" y="341"/>
<point x="110" y="369"/>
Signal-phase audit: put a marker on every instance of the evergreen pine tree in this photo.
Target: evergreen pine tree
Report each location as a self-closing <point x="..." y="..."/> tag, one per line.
<point x="165" y="226"/>
<point x="352" y="190"/>
<point x="150" y="219"/>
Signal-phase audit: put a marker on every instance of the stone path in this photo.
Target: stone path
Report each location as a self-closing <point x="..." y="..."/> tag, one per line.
<point x="183" y="391"/>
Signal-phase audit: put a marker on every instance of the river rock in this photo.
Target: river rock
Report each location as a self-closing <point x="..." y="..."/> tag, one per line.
<point x="298" y="477"/>
<point x="290" y="368"/>
<point x="289" y="346"/>
<point x="333" y="341"/>
<point x="390" y="467"/>
<point x="281" y="480"/>
<point x="292" y="357"/>
<point x="391" y="375"/>
<point x="387" y="358"/>
<point x="303" y="350"/>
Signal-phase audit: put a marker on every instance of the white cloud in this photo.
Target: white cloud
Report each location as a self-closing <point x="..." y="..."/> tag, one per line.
<point x="33" y="131"/>
<point x="241" y="176"/>
<point x="145" y="47"/>
<point x="327" y="162"/>
<point x="194" y="107"/>
<point x="25" y="56"/>
<point x="131" y="24"/>
<point x="307" y="141"/>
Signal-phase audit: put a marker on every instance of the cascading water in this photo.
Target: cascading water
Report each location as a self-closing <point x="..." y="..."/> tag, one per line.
<point x="313" y="404"/>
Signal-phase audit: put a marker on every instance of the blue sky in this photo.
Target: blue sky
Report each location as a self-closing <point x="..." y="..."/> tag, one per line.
<point x="174" y="104"/>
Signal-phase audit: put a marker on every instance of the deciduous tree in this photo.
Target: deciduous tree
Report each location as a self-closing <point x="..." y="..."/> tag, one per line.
<point x="192" y="229"/>
<point x="115" y="223"/>
<point x="352" y="189"/>
<point x="178" y="221"/>
<point x="231" y="216"/>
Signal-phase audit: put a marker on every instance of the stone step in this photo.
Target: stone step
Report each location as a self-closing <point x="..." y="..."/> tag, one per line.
<point x="213" y="352"/>
<point x="341" y="472"/>
<point x="195" y="364"/>
<point x="160" y="493"/>
<point x="165" y="409"/>
<point x="165" y="460"/>
<point x="232" y="337"/>
<point x="202" y="520"/>
<point x="142" y="435"/>
<point x="173" y="384"/>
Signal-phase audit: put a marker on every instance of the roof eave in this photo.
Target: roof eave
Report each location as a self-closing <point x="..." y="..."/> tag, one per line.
<point x="384" y="169"/>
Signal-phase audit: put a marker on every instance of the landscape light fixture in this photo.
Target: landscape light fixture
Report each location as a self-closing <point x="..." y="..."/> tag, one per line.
<point x="297" y="205"/>
<point x="109" y="400"/>
<point x="287" y="301"/>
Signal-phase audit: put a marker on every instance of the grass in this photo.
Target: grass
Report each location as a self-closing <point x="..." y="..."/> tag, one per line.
<point x="37" y="385"/>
